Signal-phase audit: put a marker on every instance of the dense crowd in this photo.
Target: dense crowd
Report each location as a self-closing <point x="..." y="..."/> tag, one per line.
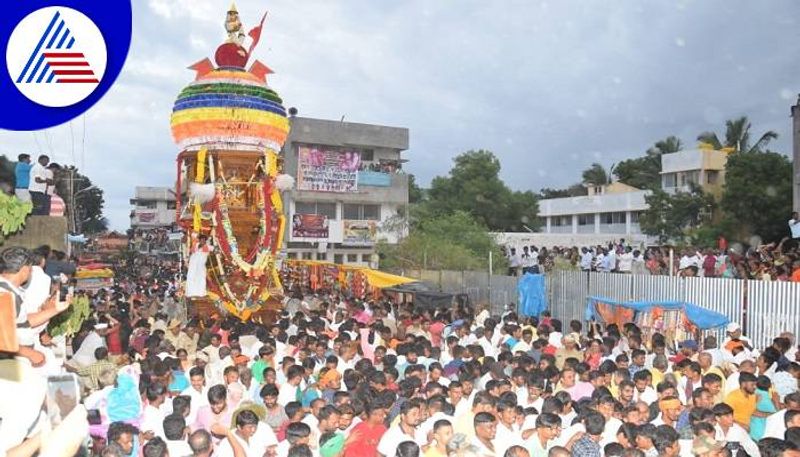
<point x="774" y="261"/>
<point x="336" y="376"/>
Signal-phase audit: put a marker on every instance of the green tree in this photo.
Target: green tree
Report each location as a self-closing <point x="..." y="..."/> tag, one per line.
<point x="87" y="199"/>
<point x="7" y="171"/>
<point x="596" y="175"/>
<point x="673" y="217"/>
<point x="645" y="172"/>
<point x="453" y="242"/>
<point x="737" y="137"/>
<point x="575" y="190"/>
<point x="415" y="193"/>
<point x="474" y="186"/>
<point x="757" y="197"/>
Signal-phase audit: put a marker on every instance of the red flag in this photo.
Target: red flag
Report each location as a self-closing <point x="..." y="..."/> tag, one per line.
<point x="260" y="70"/>
<point x="255" y="34"/>
<point x="202" y="67"/>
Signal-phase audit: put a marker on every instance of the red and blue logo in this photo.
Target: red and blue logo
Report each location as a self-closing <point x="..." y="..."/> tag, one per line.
<point x="61" y="59"/>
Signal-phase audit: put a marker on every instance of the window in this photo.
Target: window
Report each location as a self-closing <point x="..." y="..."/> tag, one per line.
<point x="586" y="219"/>
<point x="337" y="259"/>
<point x="306" y="256"/>
<point x="352" y="258"/>
<point x="146" y="204"/>
<point x="635" y="217"/>
<point x="712" y="176"/>
<point x="560" y="221"/>
<point x="669" y="180"/>
<point x="365" y="258"/>
<point x="327" y="209"/>
<point x="367" y="155"/>
<point x="171" y="205"/>
<point x="612" y="218"/>
<point x="291" y="255"/>
<point x="361" y="212"/>
<point x="690" y="177"/>
<point x="322" y="256"/>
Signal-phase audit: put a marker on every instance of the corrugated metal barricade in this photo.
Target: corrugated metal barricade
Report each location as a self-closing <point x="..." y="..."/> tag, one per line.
<point x="725" y="296"/>
<point x="773" y="307"/>
<point x="566" y="294"/>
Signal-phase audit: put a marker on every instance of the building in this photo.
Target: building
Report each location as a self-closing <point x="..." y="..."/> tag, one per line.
<point x="701" y="167"/>
<point x="350" y="190"/>
<point x="607" y="213"/>
<point x="153" y="207"/>
<point x="796" y="155"/>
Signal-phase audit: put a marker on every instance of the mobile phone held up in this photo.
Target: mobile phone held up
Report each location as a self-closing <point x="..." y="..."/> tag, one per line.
<point x="63" y="395"/>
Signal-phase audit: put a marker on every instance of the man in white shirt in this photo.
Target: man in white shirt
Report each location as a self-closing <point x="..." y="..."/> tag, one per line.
<point x="290" y="390"/>
<point x="197" y="391"/>
<point x="777" y="422"/>
<point x="175" y="432"/>
<point x="38" y="187"/>
<point x="728" y="430"/>
<point x="153" y="415"/>
<point x="626" y="261"/>
<point x="794" y="226"/>
<point x="246" y="426"/>
<point x="514" y="262"/>
<point x="405" y="430"/>
<point x="85" y="354"/>
<point x="586" y="259"/>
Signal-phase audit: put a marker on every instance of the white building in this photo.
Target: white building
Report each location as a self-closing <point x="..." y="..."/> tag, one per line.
<point x="349" y="189"/>
<point x="608" y="213"/>
<point x="153" y="207"/>
<point x="701" y="167"/>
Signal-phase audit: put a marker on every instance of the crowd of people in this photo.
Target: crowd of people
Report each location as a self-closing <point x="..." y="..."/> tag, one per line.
<point x="338" y="376"/>
<point x="769" y="262"/>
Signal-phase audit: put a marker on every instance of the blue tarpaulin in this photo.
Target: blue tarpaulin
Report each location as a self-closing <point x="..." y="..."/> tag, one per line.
<point x="703" y="318"/>
<point x="532" y="294"/>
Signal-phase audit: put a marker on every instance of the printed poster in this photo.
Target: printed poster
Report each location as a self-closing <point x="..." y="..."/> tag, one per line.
<point x="310" y="226"/>
<point x="360" y="233"/>
<point x="325" y="170"/>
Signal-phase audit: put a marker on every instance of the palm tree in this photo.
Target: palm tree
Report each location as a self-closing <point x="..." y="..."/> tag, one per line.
<point x="596" y="175"/>
<point x="737" y="137"/>
<point x="668" y="145"/>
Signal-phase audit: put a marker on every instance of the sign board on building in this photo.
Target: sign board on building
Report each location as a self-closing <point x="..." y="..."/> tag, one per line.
<point x="325" y="170"/>
<point x="360" y="233"/>
<point x="146" y="217"/>
<point x="310" y="226"/>
<point x="374" y="178"/>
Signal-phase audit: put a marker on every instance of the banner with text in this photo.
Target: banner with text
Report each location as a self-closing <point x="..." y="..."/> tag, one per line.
<point x="310" y="226"/>
<point x="325" y="170"/>
<point x="360" y="233"/>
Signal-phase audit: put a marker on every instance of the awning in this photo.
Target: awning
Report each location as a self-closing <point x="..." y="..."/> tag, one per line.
<point x="382" y="280"/>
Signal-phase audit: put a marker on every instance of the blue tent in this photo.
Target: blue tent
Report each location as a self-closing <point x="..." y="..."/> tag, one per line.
<point x="703" y="318"/>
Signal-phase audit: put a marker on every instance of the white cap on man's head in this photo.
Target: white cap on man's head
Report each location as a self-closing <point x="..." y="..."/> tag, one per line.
<point x="733" y="326"/>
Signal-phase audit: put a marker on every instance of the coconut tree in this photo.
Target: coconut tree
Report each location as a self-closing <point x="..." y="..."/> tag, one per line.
<point x="596" y="175"/>
<point x="737" y="137"/>
<point x="668" y="145"/>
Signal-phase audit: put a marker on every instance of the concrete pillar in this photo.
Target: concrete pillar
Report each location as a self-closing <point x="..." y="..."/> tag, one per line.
<point x="596" y="222"/>
<point x="796" y="155"/>
<point x="627" y="222"/>
<point x="547" y="224"/>
<point x="574" y="223"/>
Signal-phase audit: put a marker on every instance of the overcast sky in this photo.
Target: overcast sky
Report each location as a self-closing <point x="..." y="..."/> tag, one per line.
<point x="549" y="87"/>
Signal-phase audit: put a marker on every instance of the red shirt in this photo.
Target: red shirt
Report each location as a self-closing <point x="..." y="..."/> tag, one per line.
<point x="113" y="341"/>
<point x="436" y="330"/>
<point x="363" y="440"/>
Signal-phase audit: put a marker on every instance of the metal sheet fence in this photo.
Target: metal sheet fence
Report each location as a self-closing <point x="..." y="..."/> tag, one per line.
<point x="773" y="308"/>
<point x="764" y="308"/>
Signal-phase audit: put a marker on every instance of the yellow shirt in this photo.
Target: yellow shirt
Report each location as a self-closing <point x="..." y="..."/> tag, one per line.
<point x="658" y="376"/>
<point x="743" y="406"/>
<point x="433" y="452"/>
<point x="465" y="424"/>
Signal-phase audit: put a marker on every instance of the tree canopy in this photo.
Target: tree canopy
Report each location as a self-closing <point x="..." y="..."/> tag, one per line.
<point x="474" y="186"/>
<point x="737" y="137"/>
<point x="757" y="196"/>
<point x="673" y="217"/>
